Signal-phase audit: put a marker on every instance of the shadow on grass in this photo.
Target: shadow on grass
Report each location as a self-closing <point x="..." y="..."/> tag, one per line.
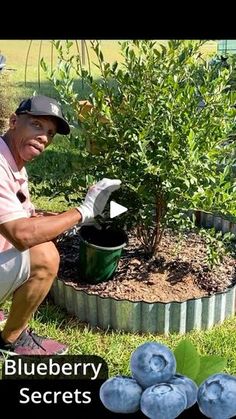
<point x="52" y="163"/>
<point x="52" y="174"/>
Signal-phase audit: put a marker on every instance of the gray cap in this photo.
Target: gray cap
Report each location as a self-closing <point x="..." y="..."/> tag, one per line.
<point x="44" y="106"/>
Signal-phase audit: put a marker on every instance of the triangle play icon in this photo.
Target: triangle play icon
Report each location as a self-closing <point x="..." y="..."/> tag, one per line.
<point x="116" y="209"/>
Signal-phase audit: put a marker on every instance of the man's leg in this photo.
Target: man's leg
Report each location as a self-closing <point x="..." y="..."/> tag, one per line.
<point x="44" y="263"/>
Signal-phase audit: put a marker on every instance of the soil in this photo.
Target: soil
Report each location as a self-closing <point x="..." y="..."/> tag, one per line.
<point x="178" y="273"/>
<point x="104" y="237"/>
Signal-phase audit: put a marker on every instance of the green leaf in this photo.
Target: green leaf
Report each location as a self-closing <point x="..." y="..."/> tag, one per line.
<point x="187" y="183"/>
<point x="209" y="365"/>
<point x="187" y="358"/>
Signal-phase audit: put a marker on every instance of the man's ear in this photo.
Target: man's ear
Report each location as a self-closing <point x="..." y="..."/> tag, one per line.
<point x="12" y="120"/>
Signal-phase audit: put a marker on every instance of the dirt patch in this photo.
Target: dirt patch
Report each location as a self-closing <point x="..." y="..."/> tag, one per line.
<point x="178" y="273"/>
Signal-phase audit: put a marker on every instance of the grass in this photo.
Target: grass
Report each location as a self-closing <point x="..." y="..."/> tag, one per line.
<point x="116" y="347"/>
<point x="52" y="167"/>
<point x="50" y="320"/>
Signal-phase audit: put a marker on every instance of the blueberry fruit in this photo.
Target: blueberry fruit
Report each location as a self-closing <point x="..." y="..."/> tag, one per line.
<point x="121" y="394"/>
<point x="152" y="363"/>
<point x="217" y="396"/>
<point x="163" y="401"/>
<point x="187" y="385"/>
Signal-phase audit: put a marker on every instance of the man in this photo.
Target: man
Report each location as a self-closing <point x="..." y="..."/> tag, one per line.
<point x="29" y="260"/>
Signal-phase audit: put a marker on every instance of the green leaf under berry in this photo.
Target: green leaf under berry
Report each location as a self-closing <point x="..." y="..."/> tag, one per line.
<point x="187" y="358"/>
<point x="209" y="365"/>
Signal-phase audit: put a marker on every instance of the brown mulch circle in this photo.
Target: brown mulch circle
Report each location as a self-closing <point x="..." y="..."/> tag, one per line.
<point x="178" y="273"/>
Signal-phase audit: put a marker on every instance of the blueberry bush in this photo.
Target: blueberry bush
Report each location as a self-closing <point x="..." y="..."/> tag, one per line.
<point x="160" y="120"/>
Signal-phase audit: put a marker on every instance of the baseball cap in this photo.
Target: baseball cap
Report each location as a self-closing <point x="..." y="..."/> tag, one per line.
<point x="44" y="106"/>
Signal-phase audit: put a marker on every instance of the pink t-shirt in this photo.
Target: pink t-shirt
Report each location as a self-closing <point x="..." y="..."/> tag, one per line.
<point x="13" y="191"/>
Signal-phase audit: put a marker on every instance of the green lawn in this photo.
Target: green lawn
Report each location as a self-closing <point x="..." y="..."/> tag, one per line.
<point x="17" y="51"/>
<point x="50" y="320"/>
<point x="116" y="347"/>
<point x="21" y="52"/>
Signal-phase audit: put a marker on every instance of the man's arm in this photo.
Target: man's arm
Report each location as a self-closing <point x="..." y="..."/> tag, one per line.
<point x="24" y="233"/>
<point x="42" y="213"/>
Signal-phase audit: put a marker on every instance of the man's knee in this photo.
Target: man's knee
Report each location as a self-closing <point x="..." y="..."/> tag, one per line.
<point x="44" y="260"/>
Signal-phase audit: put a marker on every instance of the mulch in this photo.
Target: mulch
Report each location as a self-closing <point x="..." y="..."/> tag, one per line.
<point x="179" y="272"/>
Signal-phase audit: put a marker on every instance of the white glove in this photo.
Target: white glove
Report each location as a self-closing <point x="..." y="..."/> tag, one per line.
<point x="96" y="198"/>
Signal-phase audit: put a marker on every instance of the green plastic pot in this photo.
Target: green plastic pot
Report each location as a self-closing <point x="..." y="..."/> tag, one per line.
<point x="99" y="253"/>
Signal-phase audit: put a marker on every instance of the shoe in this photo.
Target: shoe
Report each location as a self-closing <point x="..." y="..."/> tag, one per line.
<point x="3" y="318"/>
<point x="28" y="343"/>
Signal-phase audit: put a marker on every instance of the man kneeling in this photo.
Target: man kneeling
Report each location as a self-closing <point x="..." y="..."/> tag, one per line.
<point x="29" y="260"/>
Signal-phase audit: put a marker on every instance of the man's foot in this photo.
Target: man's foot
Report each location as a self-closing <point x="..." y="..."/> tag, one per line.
<point x="3" y="318"/>
<point x="28" y="343"/>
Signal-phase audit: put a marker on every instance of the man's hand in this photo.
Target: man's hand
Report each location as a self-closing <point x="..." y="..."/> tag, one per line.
<point x="96" y="198"/>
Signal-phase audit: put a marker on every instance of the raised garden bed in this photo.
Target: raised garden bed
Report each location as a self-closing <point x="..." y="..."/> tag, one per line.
<point x="174" y="293"/>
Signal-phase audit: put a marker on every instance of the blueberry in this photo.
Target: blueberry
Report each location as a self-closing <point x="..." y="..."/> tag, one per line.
<point x="121" y="394"/>
<point x="152" y="363"/>
<point x="163" y="401"/>
<point x="217" y="396"/>
<point x="187" y="385"/>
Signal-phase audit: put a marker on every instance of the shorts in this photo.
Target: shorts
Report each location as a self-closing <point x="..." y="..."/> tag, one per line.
<point x="14" y="271"/>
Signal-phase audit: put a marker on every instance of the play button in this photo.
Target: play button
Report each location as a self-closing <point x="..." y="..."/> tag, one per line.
<point x="116" y="209"/>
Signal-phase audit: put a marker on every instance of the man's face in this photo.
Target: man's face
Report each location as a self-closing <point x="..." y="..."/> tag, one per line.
<point x="32" y="134"/>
